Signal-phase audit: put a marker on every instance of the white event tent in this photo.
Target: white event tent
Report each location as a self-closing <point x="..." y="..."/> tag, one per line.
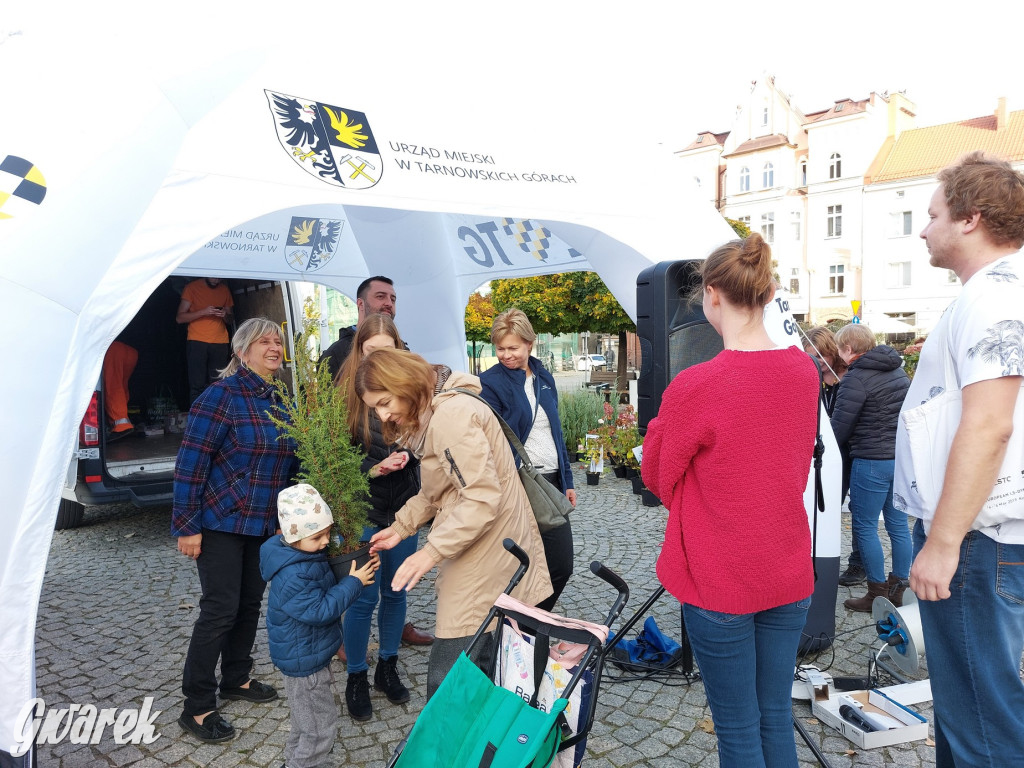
<point x="285" y="160"/>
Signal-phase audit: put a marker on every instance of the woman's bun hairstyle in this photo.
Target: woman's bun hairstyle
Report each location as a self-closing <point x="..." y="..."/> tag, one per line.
<point x="742" y="271"/>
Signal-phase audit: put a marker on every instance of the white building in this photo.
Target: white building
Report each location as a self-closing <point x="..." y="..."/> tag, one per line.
<point x="842" y="194"/>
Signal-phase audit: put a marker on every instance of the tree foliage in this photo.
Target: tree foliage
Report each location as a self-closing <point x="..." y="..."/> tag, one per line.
<point x="563" y="303"/>
<point x="479" y="318"/>
<point x="741" y="229"/>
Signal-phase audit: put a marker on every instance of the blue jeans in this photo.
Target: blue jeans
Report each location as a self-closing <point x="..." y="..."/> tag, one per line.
<point x="973" y="646"/>
<point x="871" y="492"/>
<point x="390" y="617"/>
<point x="747" y="663"/>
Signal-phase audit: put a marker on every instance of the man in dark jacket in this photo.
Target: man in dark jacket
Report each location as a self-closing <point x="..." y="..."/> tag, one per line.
<point x="374" y="295"/>
<point x="865" y="417"/>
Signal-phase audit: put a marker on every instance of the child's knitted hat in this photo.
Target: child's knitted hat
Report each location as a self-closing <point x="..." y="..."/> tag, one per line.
<point x="302" y="512"/>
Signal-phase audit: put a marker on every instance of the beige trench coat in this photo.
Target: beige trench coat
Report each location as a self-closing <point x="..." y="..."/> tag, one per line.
<point x="471" y="487"/>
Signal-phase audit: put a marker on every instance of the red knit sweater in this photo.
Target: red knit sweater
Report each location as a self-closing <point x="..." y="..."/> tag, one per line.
<point x="729" y="455"/>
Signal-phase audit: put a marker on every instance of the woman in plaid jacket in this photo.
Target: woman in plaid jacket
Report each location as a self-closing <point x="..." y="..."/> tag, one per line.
<point x="231" y="465"/>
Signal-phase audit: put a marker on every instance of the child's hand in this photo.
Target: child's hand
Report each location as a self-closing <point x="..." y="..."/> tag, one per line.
<point x="366" y="573"/>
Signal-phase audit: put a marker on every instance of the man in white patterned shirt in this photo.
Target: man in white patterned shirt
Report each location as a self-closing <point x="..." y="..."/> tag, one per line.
<point x="968" y="571"/>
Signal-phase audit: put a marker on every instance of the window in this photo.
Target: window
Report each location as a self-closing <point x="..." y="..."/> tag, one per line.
<point x="951" y="276"/>
<point x="910" y="318"/>
<point x="764" y="116"/>
<point x="899" y="274"/>
<point x="768" y="176"/>
<point x="795" y="220"/>
<point x="768" y="227"/>
<point x="835" y="166"/>
<point x="744" y="220"/>
<point x="803" y="173"/>
<point x="744" y="179"/>
<point x="794" y="281"/>
<point x="700" y="139"/>
<point x="836" y="278"/>
<point x="697" y="180"/>
<point x="835" y="221"/>
<point x="902" y="224"/>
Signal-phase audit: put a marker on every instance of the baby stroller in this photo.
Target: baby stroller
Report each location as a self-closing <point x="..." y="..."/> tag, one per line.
<point x="504" y="720"/>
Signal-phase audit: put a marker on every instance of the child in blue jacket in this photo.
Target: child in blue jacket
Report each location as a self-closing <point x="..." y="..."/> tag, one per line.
<point x="303" y="612"/>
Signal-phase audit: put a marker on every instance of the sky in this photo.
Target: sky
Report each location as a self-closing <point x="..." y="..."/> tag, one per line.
<point x="644" y="71"/>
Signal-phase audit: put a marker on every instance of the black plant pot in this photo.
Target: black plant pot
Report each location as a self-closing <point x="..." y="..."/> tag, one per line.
<point x="649" y="499"/>
<point x="620" y="471"/>
<point x="581" y="455"/>
<point x="342" y="564"/>
<point x="593" y="478"/>
<point x="638" y="484"/>
<point x="631" y="473"/>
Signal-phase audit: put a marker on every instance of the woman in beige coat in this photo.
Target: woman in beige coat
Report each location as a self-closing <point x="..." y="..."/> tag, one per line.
<point x="470" y="487"/>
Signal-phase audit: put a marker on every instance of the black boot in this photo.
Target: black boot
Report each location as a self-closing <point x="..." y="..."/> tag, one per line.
<point x="385" y="678"/>
<point x="357" y="697"/>
<point x="853" y="575"/>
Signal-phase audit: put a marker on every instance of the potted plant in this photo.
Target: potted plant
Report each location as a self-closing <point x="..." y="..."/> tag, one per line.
<point x="578" y="412"/>
<point x="315" y="417"/>
<point x="595" y="459"/>
<point x="624" y="439"/>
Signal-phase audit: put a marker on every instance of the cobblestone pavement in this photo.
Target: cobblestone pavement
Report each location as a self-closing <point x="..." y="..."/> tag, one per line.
<point x="119" y="602"/>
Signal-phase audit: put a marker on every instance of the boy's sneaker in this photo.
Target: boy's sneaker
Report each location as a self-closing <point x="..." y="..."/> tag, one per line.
<point x="385" y="678"/>
<point x="257" y="691"/>
<point x="853" y="575"/>
<point x="213" y="730"/>
<point x="357" y="697"/>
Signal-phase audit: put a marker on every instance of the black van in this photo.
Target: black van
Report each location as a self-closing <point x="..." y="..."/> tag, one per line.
<point x="139" y="468"/>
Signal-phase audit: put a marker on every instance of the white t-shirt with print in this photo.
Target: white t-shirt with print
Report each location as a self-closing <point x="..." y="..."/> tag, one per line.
<point x="983" y="330"/>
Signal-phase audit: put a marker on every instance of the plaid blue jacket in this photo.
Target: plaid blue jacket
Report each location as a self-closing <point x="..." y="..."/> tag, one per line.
<point x="231" y="464"/>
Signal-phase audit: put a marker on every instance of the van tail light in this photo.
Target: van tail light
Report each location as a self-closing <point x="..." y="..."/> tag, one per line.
<point x="89" y="433"/>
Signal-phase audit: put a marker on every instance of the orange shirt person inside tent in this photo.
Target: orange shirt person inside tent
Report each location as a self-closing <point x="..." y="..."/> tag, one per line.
<point x="206" y="306"/>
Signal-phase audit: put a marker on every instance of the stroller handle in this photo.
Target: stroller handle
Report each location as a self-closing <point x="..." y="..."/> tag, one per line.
<point x="605" y="573"/>
<point x="520" y="554"/>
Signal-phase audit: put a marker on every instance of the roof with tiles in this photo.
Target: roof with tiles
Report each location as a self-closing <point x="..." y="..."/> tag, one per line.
<point x="763" y="142"/>
<point x="841" y="108"/>
<point x="924" y="152"/>
<point x="706" y="139"/>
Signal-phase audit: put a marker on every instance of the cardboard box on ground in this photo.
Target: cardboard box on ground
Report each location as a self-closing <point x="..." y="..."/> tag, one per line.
<point x="893" y="702"/>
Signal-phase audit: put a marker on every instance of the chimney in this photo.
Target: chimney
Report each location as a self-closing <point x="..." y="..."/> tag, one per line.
<point x="1001" y="114"/>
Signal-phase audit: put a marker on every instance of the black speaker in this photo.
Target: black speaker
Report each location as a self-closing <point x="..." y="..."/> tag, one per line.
<point x="673" y="332"/>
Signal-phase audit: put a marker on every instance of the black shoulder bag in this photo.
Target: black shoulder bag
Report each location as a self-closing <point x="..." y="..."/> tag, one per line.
<point x="550" y="506"/>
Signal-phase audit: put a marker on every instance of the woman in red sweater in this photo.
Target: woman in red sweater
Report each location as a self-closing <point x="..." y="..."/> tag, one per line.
<point x="729" y="454"/>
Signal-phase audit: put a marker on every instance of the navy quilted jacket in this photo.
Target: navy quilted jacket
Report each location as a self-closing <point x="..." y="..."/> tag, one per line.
<point x="304" y="607"/>
<point x="868" y="404"/>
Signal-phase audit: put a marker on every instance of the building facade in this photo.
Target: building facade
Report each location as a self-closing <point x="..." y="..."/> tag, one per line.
<point x="841" y="194"/>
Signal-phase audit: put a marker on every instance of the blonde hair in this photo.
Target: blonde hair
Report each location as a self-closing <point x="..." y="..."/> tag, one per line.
<point x="515" y="322"/>
<point x="857" y="336"/>
<point x="401" y="374"/>
<point x="245" y="336"/>
<point x="742" y="271"/>
<point x="358" y="413"/>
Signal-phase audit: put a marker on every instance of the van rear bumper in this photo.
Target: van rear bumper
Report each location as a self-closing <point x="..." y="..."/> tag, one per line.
<point x="91" y="494"/>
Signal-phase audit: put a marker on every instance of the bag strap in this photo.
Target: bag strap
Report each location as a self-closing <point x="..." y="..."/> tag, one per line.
<point x="513" y="440"/>
<point x="819" y="491"/>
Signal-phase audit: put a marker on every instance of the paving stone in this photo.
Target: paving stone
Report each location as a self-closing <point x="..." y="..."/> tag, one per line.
<point x="120" y="631"/>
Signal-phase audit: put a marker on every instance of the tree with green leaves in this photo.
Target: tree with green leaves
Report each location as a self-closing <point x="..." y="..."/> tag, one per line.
<point x="566" y="303"/>
<point x="479" y="319"/>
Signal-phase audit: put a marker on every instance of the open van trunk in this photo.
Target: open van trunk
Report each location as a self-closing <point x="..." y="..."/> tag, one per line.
<point x="139" y="468"/>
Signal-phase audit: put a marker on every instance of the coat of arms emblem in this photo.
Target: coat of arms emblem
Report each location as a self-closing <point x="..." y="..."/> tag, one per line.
<point x="332" y="143"/>
<point x="311" y="242"/>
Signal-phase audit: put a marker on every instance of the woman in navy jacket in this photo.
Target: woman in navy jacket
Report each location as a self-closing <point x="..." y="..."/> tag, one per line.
<point x="523" y="392"/>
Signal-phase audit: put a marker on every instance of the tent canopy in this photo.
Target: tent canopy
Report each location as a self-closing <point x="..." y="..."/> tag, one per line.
<point x="248" y="154"/>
